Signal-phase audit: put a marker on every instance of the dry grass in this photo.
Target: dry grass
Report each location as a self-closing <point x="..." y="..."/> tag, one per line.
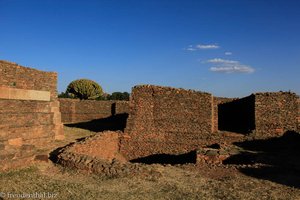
<point x="172" y="183"/>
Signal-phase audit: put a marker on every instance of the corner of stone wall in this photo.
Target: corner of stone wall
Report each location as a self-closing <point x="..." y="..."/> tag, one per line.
<point x="58" y="126"/>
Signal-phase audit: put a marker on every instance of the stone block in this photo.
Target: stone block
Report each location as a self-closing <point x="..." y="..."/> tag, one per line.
<point x="21" y="94"/>
<point x="16" y="142"/>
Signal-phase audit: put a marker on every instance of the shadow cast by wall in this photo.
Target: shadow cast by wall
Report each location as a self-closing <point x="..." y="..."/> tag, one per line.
<point x="112" y="123"/>
<point x="275" y="159"/>
<point x="189" y="157"/>
<point x="237" y="116"/>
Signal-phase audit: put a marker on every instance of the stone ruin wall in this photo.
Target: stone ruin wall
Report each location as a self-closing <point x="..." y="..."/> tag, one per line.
<point x="263" y="115"/>
<point x="75" y="110"/>
<point x="162" y="120"/>
<point x="29" y="113"/>
<point x="276" y="113"/>
<point x="166" y="120"/>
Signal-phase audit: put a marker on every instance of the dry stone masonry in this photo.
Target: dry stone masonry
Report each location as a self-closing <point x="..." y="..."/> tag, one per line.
<point x="75" y="110"/>
<point x="166" y="120"/>
<point x="275" y="113"/>
<point x="263" y="115"/>
<point x="162" y="121"/>
<point x="168" y="125"/>
<point x="29" y="113"/>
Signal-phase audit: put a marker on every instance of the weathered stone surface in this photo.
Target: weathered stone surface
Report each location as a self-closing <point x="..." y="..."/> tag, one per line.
<point x="166" y="120"/>
<point x="206" y="155"/>
<point x="98" y="154"/>
<point x="261" y="114"/>
<point x="21" y="94"/>
<point x="29" y="112"/>
<point x="104" y="146"/>
<point x="275" y="113"/>
<point x="74" y="110"/>
<point x="16" y="142"/>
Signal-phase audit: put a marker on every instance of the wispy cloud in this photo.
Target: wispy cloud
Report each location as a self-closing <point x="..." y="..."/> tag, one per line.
<point x="201" y="46"/>
<point x="207" y="46"/>
<point x="190" y="48"/>
<point x="233" y="69"/>
<point x="229" y="66"/>
<point x="228" y="53"/>
<point x="222" y="61"/>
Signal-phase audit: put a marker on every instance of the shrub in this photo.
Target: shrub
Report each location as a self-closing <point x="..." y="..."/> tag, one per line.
<point x="119" y="96"/>
<point x="84" y="89"/>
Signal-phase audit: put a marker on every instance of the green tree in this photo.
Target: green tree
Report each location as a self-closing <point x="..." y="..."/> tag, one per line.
<point x="84" y="89"/>
<point x="119" y="96"/>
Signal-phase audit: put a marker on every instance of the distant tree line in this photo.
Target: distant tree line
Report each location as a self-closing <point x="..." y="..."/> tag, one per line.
<point x="88" y="89"/>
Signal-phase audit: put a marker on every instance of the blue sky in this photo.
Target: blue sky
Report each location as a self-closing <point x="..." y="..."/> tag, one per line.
<point x="229" y="48"/>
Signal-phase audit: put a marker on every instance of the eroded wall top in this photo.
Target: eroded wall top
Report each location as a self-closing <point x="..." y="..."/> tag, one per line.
<point x="31" y="80"/>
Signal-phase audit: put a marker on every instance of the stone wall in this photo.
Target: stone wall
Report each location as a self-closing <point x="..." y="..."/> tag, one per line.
<point x="262" y="114"/>
<point x="275" y="113"/>
<point x="29" y="113"/>
<point x="75" y="110"/>
<point x="166" y="120"/>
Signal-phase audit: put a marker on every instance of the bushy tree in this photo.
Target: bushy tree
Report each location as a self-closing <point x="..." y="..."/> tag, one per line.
<point x="84" y="89"/>
<point x="119" y="96"/>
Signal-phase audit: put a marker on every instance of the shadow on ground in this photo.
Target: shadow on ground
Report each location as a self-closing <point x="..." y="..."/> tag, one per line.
<point x="112" y="123"/>
<point x="275" y="159"/>
<point x="189" y="157"/>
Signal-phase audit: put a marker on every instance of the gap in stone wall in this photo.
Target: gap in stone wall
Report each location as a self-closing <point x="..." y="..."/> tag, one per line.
<point x="237" y="116"/>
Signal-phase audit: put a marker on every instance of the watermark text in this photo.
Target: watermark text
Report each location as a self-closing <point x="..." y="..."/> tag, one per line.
<point x="24" y="195"/>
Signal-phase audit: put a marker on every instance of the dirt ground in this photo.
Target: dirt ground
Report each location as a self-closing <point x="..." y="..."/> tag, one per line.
<point x="231" y="181"/>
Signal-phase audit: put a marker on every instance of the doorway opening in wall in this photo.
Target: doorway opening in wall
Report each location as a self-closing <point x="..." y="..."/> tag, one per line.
<point x="237" y="116"/>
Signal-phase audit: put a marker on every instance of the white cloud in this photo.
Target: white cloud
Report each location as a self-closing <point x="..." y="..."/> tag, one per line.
<point x="229" y="66"/>
<point x="228" y="53"/>
<point x="190" y="49"/>
<point x="233" y="69"/>
<point x="201" y="46"/>
<point x="222" y="61"/>
<point x="207" y="46"/>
